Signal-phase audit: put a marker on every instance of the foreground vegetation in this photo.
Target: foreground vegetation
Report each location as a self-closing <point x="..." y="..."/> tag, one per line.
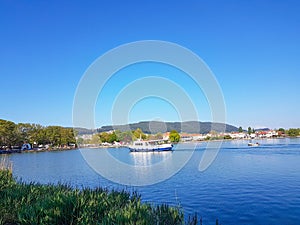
<point x="32" y="203"/>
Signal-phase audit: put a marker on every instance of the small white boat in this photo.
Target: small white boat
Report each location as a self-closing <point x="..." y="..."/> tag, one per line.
<point x="253" y="144"/>
<point x="149" y="146"/>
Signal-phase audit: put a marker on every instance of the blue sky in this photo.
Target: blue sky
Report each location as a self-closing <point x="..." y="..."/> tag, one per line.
<point x="252" y="47"/>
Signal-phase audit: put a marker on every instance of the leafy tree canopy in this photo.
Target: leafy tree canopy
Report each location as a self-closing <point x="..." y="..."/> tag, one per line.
<point x="174" y="136"/>
<point x="240" y="130"/>
<point x="293" y="132"/>
<point x="12" y="134"/>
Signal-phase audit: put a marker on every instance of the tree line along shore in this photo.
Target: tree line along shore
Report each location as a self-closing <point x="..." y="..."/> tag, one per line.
<point x="14" y="136"/>
<point x="116" y="138"/>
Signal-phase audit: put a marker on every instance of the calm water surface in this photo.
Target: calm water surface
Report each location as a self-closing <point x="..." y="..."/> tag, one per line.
<point x="244" y="185"/>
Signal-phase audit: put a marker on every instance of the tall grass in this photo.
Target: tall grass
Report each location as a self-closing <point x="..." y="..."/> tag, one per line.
<point x="5" y="164"/>
<point x="32" y="203"/>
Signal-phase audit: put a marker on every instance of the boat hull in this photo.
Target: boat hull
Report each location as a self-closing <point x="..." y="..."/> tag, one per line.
<point x="253" y="144"/>
<point x="154" y="149"/>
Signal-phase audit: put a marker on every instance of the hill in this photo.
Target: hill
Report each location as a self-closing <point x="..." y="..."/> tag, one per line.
<point x="157" y="126"/>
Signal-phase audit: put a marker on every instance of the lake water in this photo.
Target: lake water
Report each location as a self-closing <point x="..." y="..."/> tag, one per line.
<point x="244" y="185"/>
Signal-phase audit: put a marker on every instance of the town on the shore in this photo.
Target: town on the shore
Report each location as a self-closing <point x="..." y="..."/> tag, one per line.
<point x="115" y="138"/>
<point x="24" y="137"/>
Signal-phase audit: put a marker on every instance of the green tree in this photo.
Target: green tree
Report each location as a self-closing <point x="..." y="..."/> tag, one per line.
<point x="281" y="130"/>
<point x="112" y="137"/>
<point x="104" y="137"/>
<point x="68" y="136"/>
<point x="7" y="133"/>
<point x="37" y="134"/>
<point x="23" y="132"/>
<point x="80" y="140"/>
<point x="292" y="132"/>
<point x="249" y="130"/>
<point x="138" y="133"/>
<point x="17" y="134"/>
<point x="240" y="130"/>
<point x="54" y="135"/>
<point x="64" y="136"/>
<point x="174" y="136"/>
<point x="125" y="136"/>
<point x="95" y="139"/>
<point x="118" y="134"/>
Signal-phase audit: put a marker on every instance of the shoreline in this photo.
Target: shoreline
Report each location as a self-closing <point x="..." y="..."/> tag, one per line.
<point x="14" y="151"/>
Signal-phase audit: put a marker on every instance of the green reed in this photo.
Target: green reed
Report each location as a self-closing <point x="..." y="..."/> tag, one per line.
<point x="32" y="203"/>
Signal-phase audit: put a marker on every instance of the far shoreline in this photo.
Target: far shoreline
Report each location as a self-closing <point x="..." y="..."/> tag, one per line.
<point x="14" y="151"/>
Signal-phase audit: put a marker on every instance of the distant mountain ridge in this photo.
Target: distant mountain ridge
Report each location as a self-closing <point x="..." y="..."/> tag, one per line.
<point x="158" y="126"/>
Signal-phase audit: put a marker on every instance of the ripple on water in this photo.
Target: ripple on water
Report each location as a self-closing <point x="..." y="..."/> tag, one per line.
<point x="242" y="186"/>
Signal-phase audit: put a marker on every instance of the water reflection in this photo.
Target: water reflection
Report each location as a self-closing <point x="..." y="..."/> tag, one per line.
<point x="149" y="158"/>
<point x="244" y="185"/>
<point x="138" y="168"/>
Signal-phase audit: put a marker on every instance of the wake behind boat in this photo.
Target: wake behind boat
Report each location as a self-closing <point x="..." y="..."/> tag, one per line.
<point x="149" y="146"/>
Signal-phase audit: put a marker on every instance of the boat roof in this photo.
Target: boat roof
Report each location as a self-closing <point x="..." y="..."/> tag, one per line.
<point x="149" y="140"/>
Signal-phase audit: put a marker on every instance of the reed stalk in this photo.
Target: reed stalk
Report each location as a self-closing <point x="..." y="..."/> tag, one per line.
<point x="5" y="164"/>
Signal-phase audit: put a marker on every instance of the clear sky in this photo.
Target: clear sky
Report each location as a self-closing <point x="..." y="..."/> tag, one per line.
<point x="252" y="47"/>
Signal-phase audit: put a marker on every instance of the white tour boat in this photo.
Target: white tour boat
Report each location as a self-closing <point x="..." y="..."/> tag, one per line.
<point x="149" y="146"/>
